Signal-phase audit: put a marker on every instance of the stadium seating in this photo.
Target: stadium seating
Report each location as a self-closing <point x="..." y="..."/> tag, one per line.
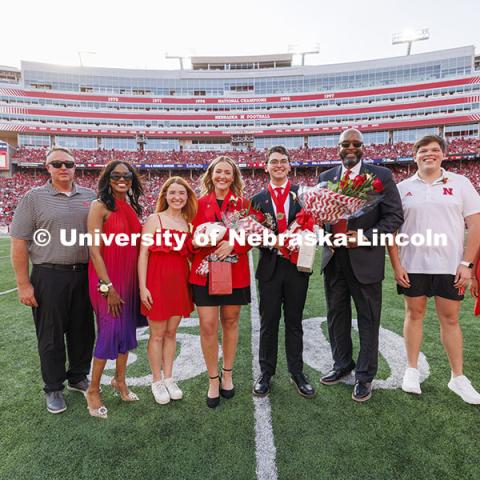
<point x="13" y="188"/>
<point x="372" y="151"/>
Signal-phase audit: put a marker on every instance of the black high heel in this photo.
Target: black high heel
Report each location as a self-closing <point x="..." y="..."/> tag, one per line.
<point x="227" y="393"/>
<point x="215" y="401"/>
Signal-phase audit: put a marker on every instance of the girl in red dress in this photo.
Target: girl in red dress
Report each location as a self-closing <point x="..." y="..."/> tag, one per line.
<point x="163" y="270"/>
<point x="222" y="188"/>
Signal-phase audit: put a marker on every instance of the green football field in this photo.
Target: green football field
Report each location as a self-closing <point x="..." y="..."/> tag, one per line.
<point x="393" y="436"/>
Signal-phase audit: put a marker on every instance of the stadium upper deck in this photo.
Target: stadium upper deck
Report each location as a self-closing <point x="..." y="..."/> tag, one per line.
<point x="258" y="100"/>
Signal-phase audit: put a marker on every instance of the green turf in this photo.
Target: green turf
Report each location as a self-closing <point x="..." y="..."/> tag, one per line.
<point x="7" y="279"/>
<point x="393" y="436"/>
<point x="142" y="440"/>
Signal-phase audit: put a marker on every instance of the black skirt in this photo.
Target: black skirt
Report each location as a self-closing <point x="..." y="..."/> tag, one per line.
<point x="201" y="297"/>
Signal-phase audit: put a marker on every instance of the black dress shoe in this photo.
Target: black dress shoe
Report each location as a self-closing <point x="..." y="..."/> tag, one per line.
<point x="362" y="391"/>
<point x="334" y="376"/>
<point x="262" y="385"/>
<point x="213" y="402"/>
<point x="302" y="385"/>
<point x="227" y="394"/>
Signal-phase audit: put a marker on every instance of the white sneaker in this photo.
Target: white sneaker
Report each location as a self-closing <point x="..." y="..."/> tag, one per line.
<point x="411" y="381"/>
<point x="463" y="388"/>
<point x="160" y="392"/>
<point x="173" y="389"/>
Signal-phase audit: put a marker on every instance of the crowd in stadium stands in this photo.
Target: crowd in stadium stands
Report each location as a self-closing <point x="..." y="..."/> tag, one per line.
<point x="373" y="151"/>
<point x="13" y="188"/>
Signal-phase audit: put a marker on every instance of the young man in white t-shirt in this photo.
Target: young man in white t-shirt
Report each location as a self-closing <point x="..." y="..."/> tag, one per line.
<point x="443" y="203"/>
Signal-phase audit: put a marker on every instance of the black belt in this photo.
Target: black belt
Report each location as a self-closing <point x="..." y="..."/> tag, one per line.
<point x="75" y="267"/>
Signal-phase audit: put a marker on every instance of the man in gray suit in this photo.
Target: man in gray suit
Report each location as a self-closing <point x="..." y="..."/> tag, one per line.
<point x="357" y="271"/>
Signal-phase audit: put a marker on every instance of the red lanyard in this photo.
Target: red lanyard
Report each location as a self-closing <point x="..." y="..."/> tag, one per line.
<point x="213" y="200"/>
<point x="279" y="202"/>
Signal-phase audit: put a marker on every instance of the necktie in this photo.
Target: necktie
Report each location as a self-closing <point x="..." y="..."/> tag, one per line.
<point x="280" y="204"/>
<point x="346" y="175"/>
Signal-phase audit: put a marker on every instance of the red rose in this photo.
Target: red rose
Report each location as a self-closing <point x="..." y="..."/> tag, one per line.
<point x="358" y="181"/>
<point x="377" y="185"/>
<point x="259" y="216"/>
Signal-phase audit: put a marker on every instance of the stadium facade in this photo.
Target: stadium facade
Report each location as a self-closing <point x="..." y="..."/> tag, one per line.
<point x="223" y="103"/>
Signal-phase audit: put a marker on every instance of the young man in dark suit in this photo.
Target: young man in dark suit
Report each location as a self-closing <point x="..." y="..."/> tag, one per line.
<point x="357" y="271"/>
<point x="279" y="281"/>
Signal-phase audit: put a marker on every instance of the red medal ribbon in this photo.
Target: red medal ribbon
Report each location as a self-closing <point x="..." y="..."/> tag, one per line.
<point x="279" y="202"/>
<point x="213" y="200"/>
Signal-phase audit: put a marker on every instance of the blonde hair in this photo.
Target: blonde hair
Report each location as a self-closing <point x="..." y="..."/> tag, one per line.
<point x="59" y="149"/>
<point x="189" y="210"/>
<point x="206" y="183"/>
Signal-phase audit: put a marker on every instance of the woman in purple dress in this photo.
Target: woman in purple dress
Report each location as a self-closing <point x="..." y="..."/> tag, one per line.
<point x="112" y="274"/>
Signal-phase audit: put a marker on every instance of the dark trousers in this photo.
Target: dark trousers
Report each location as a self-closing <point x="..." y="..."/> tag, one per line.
<point x="64" y="311"/>
<point x="340" y="286"/>
<point x="289" y="287"/>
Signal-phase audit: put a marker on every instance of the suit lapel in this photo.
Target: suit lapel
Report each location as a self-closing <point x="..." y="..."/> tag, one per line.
<point x="293" y="204"/>
<point x="337" y="174"/>
<point x="267" y="204"/>
<point x="210" y="212"/>
<point x="364" y="169"/>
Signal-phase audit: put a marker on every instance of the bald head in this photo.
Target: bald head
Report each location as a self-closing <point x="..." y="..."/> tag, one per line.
<point x="350" y="147"/>
<point x="351" y="131"/>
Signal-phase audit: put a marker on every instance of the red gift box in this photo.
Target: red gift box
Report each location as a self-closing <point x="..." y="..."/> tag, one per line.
<point x="219" y="278"/>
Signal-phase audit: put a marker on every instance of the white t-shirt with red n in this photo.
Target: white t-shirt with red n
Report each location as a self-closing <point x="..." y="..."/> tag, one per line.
<point x="440" y="207"/>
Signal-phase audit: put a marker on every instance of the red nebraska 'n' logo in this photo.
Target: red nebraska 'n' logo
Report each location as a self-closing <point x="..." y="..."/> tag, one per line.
<point x="447" y="191"/>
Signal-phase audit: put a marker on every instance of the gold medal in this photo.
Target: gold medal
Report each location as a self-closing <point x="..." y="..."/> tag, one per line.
<point x="280" y="216"/>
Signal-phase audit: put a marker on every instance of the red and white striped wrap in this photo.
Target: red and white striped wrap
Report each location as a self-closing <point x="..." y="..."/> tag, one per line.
<point x="327" y="206"/>
<point x="250" y="225"/>
<point x="247" y="224"/>
<point x="202" y="269"/>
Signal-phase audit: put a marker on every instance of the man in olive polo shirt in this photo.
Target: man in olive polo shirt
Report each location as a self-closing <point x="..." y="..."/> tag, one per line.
<point x="57" y="289"/>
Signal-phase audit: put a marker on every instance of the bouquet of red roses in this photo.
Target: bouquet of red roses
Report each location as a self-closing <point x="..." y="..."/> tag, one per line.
<point x="246" y="221"/>
<point x="327" y="203"/>
<point x="330" y="202"/>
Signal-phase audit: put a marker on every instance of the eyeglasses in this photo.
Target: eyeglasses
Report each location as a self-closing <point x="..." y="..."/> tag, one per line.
<point x="284" y="161"/>
<point x="346" y="144"/>
<point x="59" y="163"/>
<point x="115" y="176"/>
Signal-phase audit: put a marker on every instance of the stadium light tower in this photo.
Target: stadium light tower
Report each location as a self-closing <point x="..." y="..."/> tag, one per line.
<point x="176" y="57"/>
<point x="81" y="53"/>
<point x="313" y="52"/>
<point x="294" y="49"/>
<point x="410" y="36"/>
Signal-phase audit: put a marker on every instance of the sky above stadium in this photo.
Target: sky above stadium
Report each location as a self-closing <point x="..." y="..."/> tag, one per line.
<point x="140" y="33"/>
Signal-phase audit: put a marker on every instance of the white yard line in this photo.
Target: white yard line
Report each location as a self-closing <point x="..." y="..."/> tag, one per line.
<point x="8" y="291"/>
<point x="265" y="450"/>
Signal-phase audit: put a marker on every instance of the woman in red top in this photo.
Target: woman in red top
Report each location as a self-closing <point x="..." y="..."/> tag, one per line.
<point x="222" y="188"/>
<point x="163" y="270"/>
<point x="112" y="276"/>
